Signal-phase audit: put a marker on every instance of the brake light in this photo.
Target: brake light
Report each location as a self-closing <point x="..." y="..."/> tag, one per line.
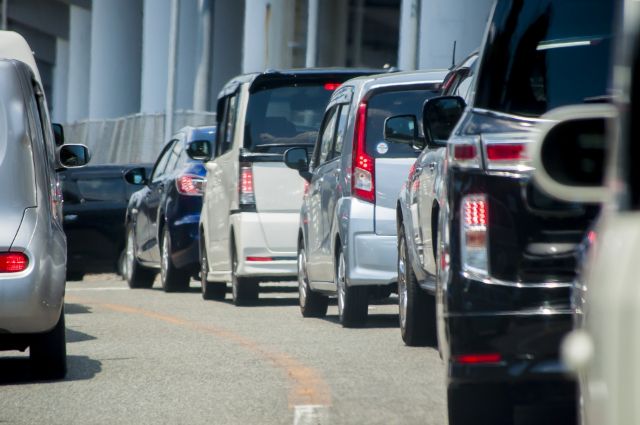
<point x="13" y="262"/>
<point x="245" y="185"/>
<point x="331" y="86"/>
<point x="464" y="152"/>
<point x="474" y="218"/>
<point x="507" y="152"/>
<point x="259" y="259"/>
<point x="478" y="358"/>
<point x="362" y="178"/>
<point x="190" y="185"/>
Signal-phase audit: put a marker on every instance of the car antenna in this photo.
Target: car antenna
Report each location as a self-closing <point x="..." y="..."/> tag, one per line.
<point x="453" y="59"/>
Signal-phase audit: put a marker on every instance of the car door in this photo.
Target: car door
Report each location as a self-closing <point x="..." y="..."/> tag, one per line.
<point x="318" y="234"/>
<point x="146" y="223"/>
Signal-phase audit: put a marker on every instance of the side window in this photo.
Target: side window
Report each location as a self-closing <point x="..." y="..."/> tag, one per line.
<point x="161" y="163"/>
<point x="327" y="135"/>
<point x="343" y="117"/>
<point x="225" y="136"/>
<point x="175" y="155"/>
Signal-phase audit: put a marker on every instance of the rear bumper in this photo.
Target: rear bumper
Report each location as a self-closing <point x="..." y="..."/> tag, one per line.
<point x="372" y="259"/>
<point x="250" y="242"/>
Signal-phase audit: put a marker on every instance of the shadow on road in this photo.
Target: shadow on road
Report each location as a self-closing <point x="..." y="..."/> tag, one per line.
<point x="374" y="321"/>
<point x="70" y="308"/>
<point x="18" y="371"/>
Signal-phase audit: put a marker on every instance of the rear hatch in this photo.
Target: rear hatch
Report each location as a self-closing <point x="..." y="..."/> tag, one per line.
<point x="16" y="162"/>
<point x="392" y="160"/>
<point x="284" y="111"/>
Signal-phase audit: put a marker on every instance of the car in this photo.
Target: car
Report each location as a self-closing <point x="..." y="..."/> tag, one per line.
<point x="32" y="241"/>
<point x="347" y="233"/>
<point x="504" y="250"/>
<point x="162" y="218"/>
<point x="417" y="211"/>
<point x="95" y="203"/>
<point x="250" y="214"/>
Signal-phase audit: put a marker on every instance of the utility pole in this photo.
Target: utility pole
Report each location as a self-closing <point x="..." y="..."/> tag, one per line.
<point x="173" y="65"/>
<point x="312" y="34"/>
<point x="5" y="6"/>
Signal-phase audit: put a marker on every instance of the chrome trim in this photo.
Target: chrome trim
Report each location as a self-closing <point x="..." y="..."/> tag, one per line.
<point x="531" y="312"/>
<point x="531" y="120"/>
<point x="493" y="281"/>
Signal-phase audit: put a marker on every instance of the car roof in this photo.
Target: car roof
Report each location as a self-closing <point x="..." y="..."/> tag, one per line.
<point x="295" y="73"/>
<point x="370" y="82"/>
<point x="13" y="46"/>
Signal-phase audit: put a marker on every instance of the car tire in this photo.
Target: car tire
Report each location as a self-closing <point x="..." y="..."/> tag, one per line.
<point x="472" y="404"/>
<point x="312" y="304"/>
<point x="417" y="309"/>
<point x="137" y="276"/>
<point x="122" y="264"/>
<point x="353" y="301"/>
<point x="172" y="278"/>
<point x="245" y="291"/>
<point x="48" y="352"/>
<point x="210" y="290"/>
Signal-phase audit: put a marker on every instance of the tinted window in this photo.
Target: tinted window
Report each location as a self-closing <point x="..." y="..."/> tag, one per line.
<point x="388" y="104"/>
<point x="281" y="116"/>
<point x="161" y="164"/>
<point x="327" y="135"/>
<point x="340" y="133"/>
<point x="544" y="54"/>
<point x="175" y="155"/>
<point x="102" y="189"/>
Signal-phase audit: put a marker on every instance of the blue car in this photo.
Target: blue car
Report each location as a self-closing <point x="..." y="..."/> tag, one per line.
<point x="162" y="218"/>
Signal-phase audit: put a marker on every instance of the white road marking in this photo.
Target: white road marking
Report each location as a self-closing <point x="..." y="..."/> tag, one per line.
<point x="109" y="288"/>
<point x="310" y="415"/>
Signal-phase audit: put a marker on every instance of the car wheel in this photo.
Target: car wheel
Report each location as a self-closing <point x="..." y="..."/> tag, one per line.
<point x="210" y="290"/>
<point x="478" y="404"/>
<point x="48" y="352"/>
<point x="312" y="304"/>
<point x="416" y="308"/>
<point x="137" y="276"/>
<point x="353" y="301"/>
<point x="171" y="278"/>
<point x="122" y="264"/>
<point x="245" y="291"/>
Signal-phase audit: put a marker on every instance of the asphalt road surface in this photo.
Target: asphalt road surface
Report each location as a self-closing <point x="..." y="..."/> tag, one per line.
<point x="147" y="357"/>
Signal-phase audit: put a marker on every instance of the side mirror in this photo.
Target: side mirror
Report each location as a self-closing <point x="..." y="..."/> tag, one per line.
<point x="200" y="150"/>
<point x="403" y="129"/>
<point x="439" y="117"/>
<point x="73" y="156"/>
<point x="297" y="159"/>
<point x="58" y="134"/>
<point x="569" y="152"/>
<point x="136" y="176"/>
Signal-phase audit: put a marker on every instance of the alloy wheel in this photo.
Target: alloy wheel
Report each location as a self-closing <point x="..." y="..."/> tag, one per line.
<point x="130" y="257"/>
<point x="303" y="281"/>
<point x="402" y="284"/>
<point x="342" y="290"/>
<point x="164" y="261"/>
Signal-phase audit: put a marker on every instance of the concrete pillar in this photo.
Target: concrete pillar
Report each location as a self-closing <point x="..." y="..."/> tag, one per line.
<point x="60" y="81"/>
<point x="358" y="26"/>
<point x="116" y="51"/>
<point x="79" y="63"/>
<point x="187" y="54"/>
<point x="444" y="21"/>
<point x="227" y="46"/>
<point x="408" y="45"/>
<point x="155" y="45"/>
<point x="201" y="86"/>
<point x="312" y="34"/>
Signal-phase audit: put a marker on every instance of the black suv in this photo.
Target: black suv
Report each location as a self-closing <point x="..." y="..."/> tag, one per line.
<point x="505" y="251"/>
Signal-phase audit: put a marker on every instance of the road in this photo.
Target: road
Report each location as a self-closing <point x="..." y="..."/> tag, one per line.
<point x="147" y="357"/>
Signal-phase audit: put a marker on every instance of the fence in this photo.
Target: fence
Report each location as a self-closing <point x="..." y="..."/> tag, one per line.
<point x="132" y="139"/>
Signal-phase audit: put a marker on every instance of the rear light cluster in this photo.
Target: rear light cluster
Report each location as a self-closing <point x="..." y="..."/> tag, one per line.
<point x="245" y="185"/>
<point x="13" y="262"/>
<point x="190" y="185"/>
<point x="479" y="358"/>
<point x="498" y="152"/>
<point x="363" y="167"/>
<point x="474" y="234"/>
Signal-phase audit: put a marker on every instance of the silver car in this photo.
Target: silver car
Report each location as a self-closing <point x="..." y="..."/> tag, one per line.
<point x="32" y="242"/>
<point x="347" y="236"/>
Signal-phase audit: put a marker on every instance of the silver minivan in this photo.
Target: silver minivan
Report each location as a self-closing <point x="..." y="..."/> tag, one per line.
<point x="347" y="233"/>
<point x="32" y="241"/>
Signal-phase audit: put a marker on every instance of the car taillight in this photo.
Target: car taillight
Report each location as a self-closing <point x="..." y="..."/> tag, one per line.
<point x="507" y="152"/>
<point x="190" y="185"/>
<point x="474" y="220"/>
<point x="479" y="358"/>
<point x="13" y="262"/>
<point x="464" y="152"/>
<point x="331" y="86"/>
<point x="245" y="185"/>
<point x="363" y="168"/>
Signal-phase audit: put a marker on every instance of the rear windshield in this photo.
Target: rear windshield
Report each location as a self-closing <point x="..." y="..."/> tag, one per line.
<point x="102" y="189"/>
<point x="544" y="54"/>
<point x="387" y="104"/>
<point x="283" y="116"/>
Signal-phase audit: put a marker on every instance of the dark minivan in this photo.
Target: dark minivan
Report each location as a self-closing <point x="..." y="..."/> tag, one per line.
<point x="506" y="250"/>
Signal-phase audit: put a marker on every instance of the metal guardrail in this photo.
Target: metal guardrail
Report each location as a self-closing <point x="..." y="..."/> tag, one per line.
<point x="131" y="139"/>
